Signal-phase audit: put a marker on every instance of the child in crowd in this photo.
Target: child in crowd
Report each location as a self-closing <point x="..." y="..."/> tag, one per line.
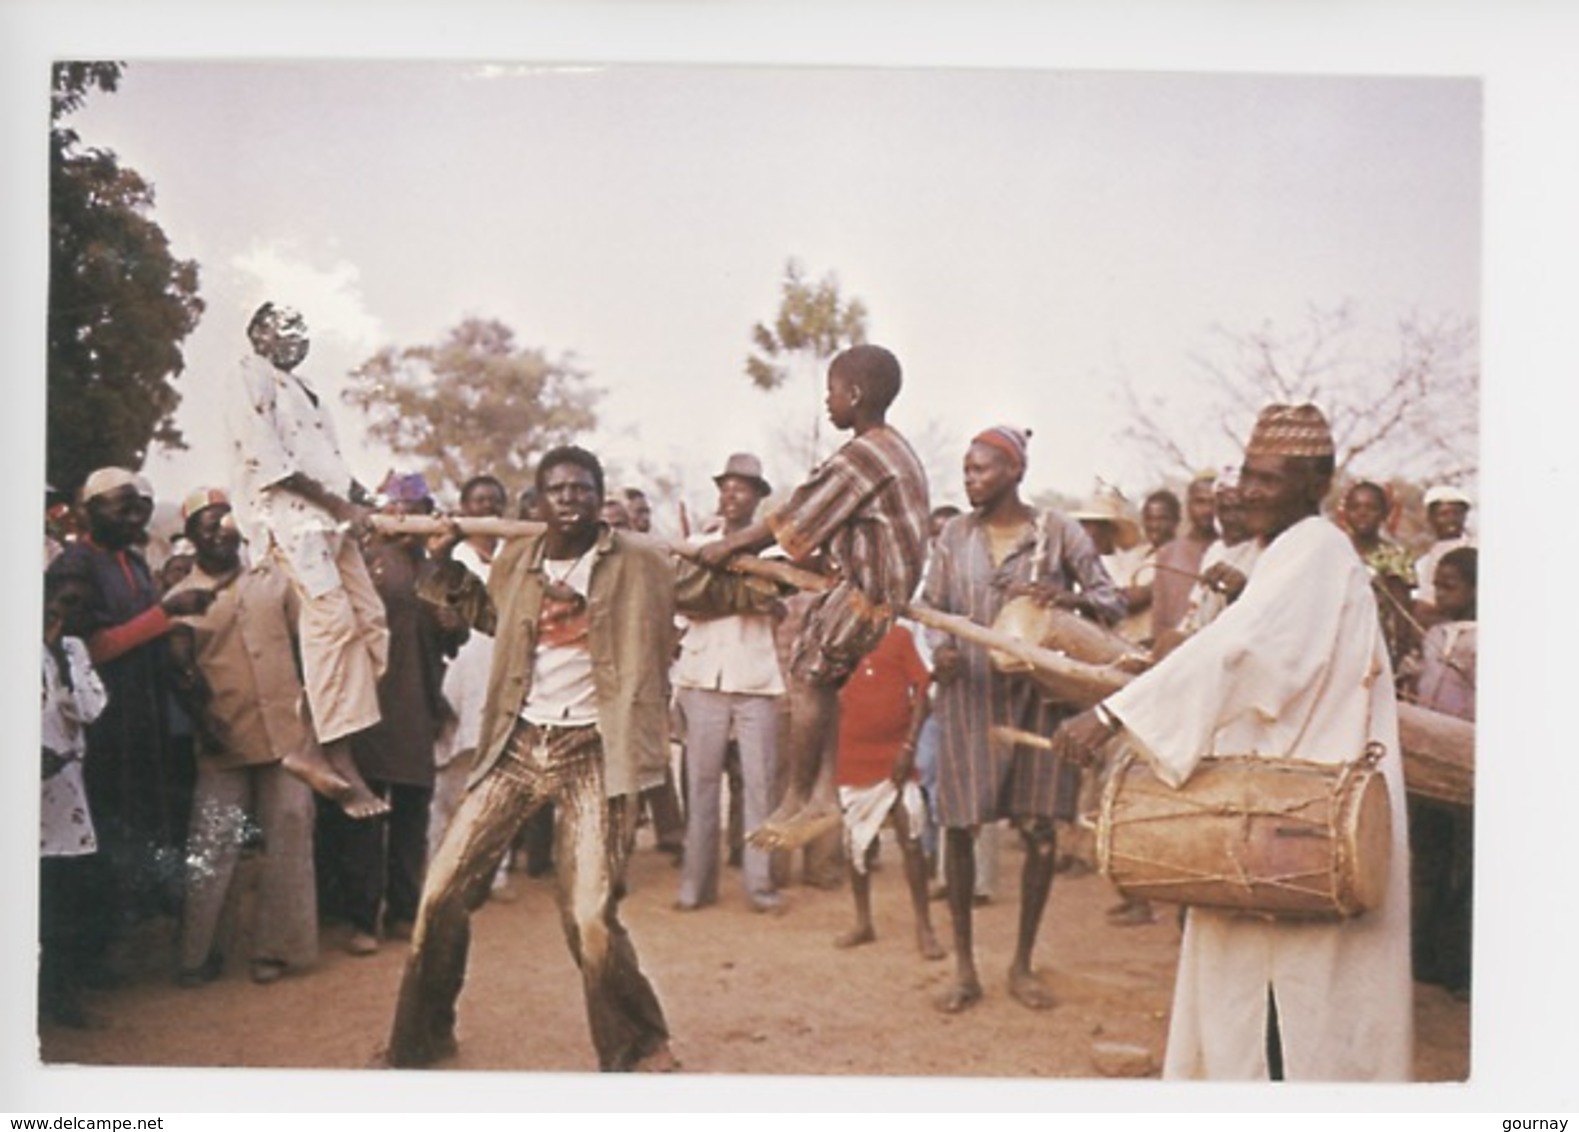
<point x="70" y="883"/>
<point x="1441" y="835"/>
<point x="881" y="710"/>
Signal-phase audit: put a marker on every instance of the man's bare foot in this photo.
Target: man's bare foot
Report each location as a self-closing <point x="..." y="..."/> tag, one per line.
<point x="660" y="1060"/>
<point x="1027" y="988"/>
<point x="927" y="944"/>
<point x="855" y="937"/>
<point x="961" y="996"/>
<point x="332" y="773"/>
<point x="441" y="1049"/>
<point x="809" y="823"/>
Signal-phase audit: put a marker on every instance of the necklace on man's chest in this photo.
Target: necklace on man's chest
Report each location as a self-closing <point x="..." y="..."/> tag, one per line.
<point x="559" y="588"/>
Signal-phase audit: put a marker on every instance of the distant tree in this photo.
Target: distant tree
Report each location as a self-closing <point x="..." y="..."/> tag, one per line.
<point x="812" y="325"/>
<point x="475" y="402"/>
<point x="119" y="303"/>
<point x="1401" y="404"/>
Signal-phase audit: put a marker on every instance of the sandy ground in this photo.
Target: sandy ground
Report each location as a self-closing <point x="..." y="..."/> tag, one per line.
<point x="745" y="993"/>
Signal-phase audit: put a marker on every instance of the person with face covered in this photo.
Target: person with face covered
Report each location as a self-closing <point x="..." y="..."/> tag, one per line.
<point x="138" y="787"/>
<point x="234" y="672"/>
<point x="297" y="501"/>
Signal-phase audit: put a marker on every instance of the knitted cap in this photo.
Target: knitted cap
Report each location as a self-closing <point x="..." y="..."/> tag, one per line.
<point x="1012" y="442"/>
<point x="1290" y="430"/>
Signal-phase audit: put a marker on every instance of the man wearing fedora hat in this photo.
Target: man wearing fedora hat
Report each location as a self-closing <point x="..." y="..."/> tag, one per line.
<point x="728" y="682"/>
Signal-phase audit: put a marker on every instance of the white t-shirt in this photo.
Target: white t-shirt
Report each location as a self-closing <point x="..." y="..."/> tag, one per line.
<point x="563" y="692"/>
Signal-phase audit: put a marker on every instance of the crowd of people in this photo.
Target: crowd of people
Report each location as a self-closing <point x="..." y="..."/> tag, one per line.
<point x="394" y="720"/>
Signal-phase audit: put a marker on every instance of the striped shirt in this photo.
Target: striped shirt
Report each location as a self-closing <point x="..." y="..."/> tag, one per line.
<point x="867" y="506"/>
<point x="980" y="779"/>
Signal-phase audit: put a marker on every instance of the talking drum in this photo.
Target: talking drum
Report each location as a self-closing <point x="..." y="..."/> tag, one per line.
<point x="1283" y="838"/>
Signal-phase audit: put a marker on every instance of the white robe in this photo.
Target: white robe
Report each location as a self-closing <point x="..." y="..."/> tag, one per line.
<point x="1295" y="668"/>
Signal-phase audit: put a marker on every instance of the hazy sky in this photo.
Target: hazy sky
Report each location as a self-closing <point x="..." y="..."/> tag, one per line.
<point x="1021" y="238"/>
<point x="1048" y="201"/>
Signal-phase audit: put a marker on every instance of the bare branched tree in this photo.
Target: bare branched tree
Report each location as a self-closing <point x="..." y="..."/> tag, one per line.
<point x="1404" y="404"/>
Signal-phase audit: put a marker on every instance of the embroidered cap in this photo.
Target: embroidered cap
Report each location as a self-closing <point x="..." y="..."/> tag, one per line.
<point x="1290" y="430"/>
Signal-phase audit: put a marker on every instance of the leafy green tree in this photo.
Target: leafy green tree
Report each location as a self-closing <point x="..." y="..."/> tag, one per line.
<point x="813" y="324"/>
<point x="475" y="402"/>
<point x="120" y="303"/>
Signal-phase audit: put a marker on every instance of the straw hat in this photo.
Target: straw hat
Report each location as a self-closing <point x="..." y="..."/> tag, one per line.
<point x="1107" y="505"/>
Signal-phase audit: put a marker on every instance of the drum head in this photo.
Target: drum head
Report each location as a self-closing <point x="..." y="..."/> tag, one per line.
<point x="1368" y="840"/>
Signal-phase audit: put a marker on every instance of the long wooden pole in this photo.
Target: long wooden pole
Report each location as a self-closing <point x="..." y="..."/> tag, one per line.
<point x="1438" y="750"/>
<point x="426" y="526"/>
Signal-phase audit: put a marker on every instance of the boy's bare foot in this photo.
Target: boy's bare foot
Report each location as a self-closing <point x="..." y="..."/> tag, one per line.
<point x="961" y="996"/>
<point x="1027" y="988"/>
<point x="333" y="774"/>
<point x="927" y="943"/>
<point x="660" y="1060"/>
<point x="855" y="937"/>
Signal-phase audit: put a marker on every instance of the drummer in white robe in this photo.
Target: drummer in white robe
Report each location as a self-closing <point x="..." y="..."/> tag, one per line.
<point x="1295" y="668"/>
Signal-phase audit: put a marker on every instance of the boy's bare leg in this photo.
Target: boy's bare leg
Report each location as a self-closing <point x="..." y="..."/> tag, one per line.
<point x="810" y="807"/>
<point x="331" y="771"/>
<point x="1036" y="882"/>
<point x="916" y="877"/>
<point x="960" y="868"/>
<point x="861" y="888"/>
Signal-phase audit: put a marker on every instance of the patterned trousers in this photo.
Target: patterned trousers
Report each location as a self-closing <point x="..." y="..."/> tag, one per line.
<point x="593" y="836"/>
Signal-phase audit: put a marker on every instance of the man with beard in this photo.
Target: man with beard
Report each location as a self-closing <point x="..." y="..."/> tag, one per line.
<point x="1296" y="668"/>
<point x="577" y="714"/>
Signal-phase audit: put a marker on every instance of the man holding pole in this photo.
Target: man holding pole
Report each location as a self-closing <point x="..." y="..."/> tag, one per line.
<point x="577" y="715"/>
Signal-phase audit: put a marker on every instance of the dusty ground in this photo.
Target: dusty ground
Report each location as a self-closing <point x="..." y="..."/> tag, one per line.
<point x="745" y="993"/>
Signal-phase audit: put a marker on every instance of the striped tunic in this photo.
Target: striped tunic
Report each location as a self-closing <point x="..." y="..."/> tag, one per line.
<point x="866" y="508"/>
<point x="979" y="779"/>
